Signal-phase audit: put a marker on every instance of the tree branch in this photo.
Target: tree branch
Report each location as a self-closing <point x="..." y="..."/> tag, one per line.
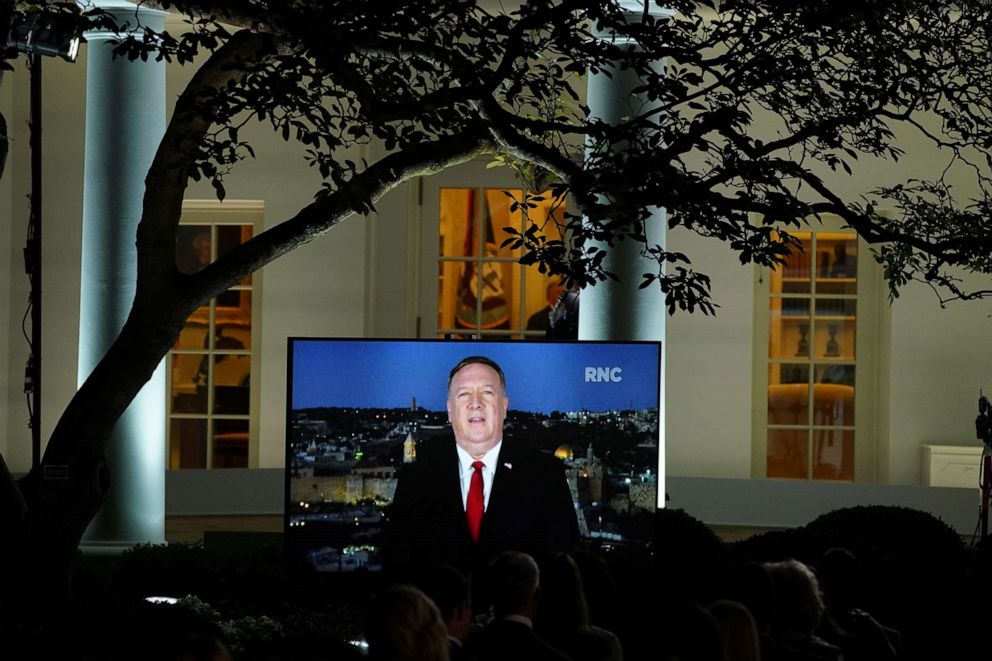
<point x="169" y="173"/>
<point x="318" y="217"/>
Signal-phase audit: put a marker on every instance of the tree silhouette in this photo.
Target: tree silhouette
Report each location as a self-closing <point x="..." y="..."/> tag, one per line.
<point x="755" y="100"/>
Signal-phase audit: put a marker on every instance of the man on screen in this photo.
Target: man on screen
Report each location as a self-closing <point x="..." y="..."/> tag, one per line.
<point x="463" y="502"/>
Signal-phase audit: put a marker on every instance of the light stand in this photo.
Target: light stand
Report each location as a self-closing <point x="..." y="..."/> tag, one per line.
<point x="38" y="36"/>
<point x="986" y="484"/>
<point x="983" y="428"/>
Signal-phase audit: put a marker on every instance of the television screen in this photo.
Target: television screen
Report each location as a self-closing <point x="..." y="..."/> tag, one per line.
<point x="357" y="411"/>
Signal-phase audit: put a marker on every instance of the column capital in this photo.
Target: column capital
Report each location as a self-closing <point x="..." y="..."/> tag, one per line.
<point x="637" y="7"/>
<point x="633" y="12"/>
<point x="113" y="5"/>
<point x="128" y="15"/>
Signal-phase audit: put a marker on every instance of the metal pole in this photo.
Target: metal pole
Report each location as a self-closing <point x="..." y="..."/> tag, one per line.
<point x="33" y="253"/>
<point x="986" y="486"/>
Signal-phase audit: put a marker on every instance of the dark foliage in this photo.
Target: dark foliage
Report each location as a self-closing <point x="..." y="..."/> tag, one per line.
<point x="905" y="553"/>
<point x="235" y="582"/>
<point x="946" y="619"/>
<point x="983" y="553"/>
<point x="686" y="551"/>
<point x="778" y="545"/>
<point x="246" y="598"/>
<point x="439" y="83"/>
<point x="920" y="540"/>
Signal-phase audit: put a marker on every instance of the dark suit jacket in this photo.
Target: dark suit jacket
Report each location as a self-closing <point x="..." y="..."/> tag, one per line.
<point x="505" y="639"/>
<point x="457" y="653"/>
<point x="530" y="510"/>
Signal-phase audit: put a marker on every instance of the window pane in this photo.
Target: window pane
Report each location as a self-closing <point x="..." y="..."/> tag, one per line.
<point x="787" y="453"/>
<point x="458" y="236"/>
<point x="193" y="248"/>
<point x="834" y="339"/>
<point x="833" y="454"/>
<point x="788" y="373"/>
<point x="548" y="213"/>
<point x="188" y="444"/>
<point x="229" y="300"/>
<point x="230" y="237"/>
<point x="497" y="216"/>
<point x="233" y="324"/>
<point x="833" y="395"/>
<point x="836" y="309"/>
<point x="230" y="447"/>
<point x="447" y="289"/>
<point x="496" y="285"/>
<point x="466" y="288"/>
<point x="194" y="332"/>
<point x="833" y="286"/>
<point x="232" y="377"/>
<point x="542" y="293"/>
<point x="837" y="263"/>
<point x="189" y="383"/>
<point x="795" y="276"/>
<point x="789" y="326"/>
<point x="788" y="394"/>
<point x="492" y="283"/>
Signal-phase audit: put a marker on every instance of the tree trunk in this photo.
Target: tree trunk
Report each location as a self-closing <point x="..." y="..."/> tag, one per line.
<point x="63" y="495"/>
<point x="43" y="516"/>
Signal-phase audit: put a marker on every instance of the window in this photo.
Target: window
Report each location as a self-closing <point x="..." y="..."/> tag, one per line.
<point x="814" y="357"/>
<point x="482" y="290"/>
<point x="211" y="407"/>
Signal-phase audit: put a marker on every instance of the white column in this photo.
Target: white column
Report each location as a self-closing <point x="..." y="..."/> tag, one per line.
<point x="620" y="310"/>
<point x="125" y="120"/>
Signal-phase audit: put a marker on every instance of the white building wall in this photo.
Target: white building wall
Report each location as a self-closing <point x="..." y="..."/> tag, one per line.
<point x="708" y="403"/>
<point x="939" y="358"/>
<point x="7" y="272"/>
<point x="932" y="361"/>
<point x="63" y="91"/>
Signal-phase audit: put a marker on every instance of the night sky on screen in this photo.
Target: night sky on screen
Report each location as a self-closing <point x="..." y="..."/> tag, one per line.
<point x="540" y="376"/>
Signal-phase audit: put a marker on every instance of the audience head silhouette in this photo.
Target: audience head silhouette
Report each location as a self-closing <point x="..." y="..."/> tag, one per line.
<point x="563" y="599"/>
<point x="750" y="584"/>
<point x="514" y="584"/>
<point x="738" y="631"/>
<point x="798" y="601"/>
<point x="404" y="625"/>
<point x="689" y="633"/>
<point x="451" y="592"/>
<point x="840" y="577"/>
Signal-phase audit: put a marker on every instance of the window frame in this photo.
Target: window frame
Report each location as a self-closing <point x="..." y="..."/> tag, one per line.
<point x="215" y="214"/>
<point x="477" y="176"/>
<point x="870" y="303"/>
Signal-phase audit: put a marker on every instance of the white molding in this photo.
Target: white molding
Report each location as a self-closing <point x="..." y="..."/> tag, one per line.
<point x="226" y="205"/>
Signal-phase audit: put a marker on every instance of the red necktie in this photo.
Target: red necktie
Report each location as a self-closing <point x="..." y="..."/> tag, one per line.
<point x="476" y="503"/>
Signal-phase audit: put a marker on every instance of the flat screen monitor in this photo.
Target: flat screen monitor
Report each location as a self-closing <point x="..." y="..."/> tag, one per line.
<point x="357" y="409"/>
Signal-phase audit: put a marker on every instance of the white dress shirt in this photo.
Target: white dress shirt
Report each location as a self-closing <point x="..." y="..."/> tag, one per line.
<point x="465" y="472"/>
